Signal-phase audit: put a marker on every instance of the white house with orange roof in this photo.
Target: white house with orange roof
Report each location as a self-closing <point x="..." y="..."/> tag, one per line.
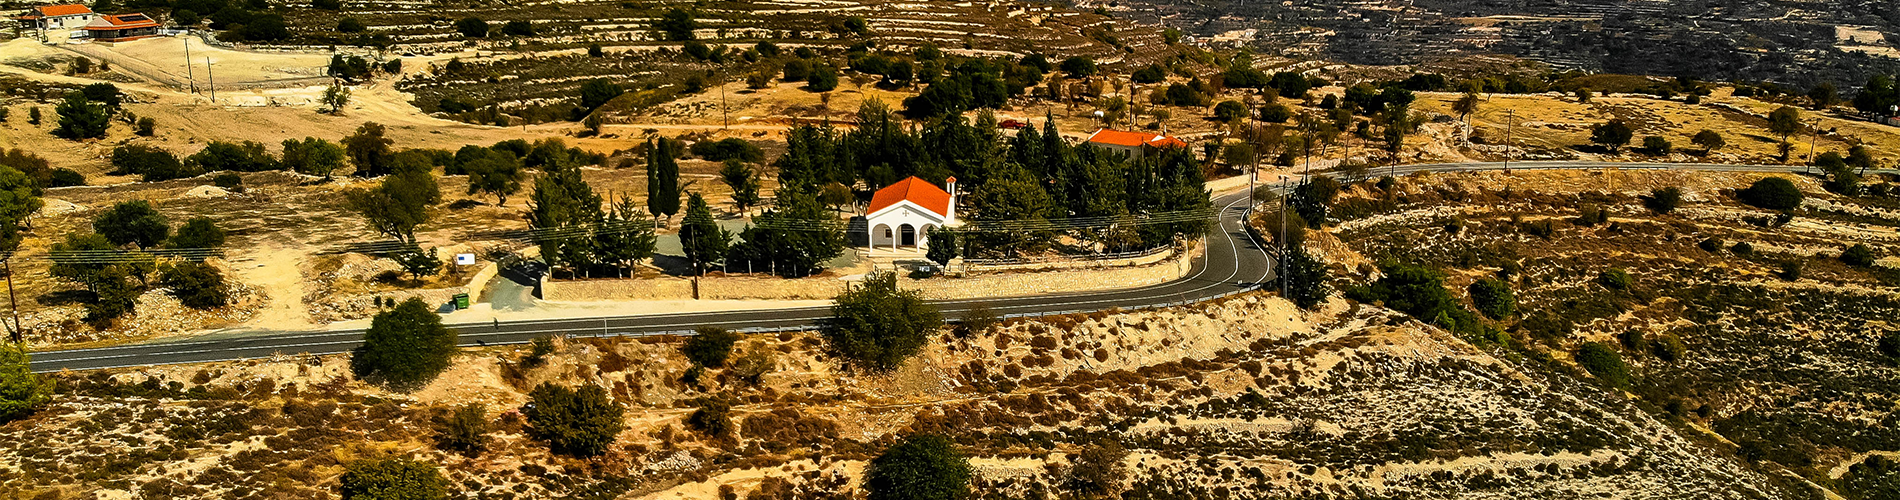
<point x="901" y="214"/>
<point x="121" y="28"/>
<point x="56" y="17"/>
<point x="1134" y="144"/>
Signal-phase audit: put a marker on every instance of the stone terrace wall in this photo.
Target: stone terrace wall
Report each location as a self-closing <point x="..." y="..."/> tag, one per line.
<point x="1001" y="284"/>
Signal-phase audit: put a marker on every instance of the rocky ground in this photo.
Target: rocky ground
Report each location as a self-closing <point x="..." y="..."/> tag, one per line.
<point x="1245" y="398"/>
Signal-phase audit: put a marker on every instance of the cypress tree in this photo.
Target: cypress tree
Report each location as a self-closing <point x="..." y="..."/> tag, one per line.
<point x="663" y="179"/>
<point x="700" y="236"/>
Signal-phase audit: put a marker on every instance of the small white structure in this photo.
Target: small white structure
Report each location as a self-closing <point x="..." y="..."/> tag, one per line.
<point x="55" y="17"/>
<point x="901" y="214"/>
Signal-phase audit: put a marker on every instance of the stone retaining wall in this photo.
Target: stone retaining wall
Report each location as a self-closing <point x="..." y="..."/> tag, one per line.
<point x="1000" y="284"/>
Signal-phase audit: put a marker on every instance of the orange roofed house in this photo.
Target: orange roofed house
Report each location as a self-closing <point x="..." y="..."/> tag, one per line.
<point x="1135" y="144"/>
<point x="121" y="27"/>
<point x="55" y="17"/>
<point x="901" y="214"/>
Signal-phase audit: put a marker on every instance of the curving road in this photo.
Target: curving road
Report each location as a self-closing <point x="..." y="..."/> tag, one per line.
<point x="1234" y="262"/>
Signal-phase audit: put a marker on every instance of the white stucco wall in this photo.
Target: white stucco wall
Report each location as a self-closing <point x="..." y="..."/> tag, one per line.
<point x="887" y="226"/>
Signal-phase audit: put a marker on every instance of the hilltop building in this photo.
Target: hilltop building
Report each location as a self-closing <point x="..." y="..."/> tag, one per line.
<point x="55" y="17"/>
<point x="1135" y="144"/>
<point x="901" y="214"/>
<point x="121" y="28"/>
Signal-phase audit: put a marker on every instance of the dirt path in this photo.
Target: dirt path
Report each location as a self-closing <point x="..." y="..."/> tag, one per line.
<point x="275" y="270"/>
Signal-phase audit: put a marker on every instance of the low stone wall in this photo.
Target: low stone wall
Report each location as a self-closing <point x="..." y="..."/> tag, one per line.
<point x="1157" y="256"/>
<point x="975" y="285"/>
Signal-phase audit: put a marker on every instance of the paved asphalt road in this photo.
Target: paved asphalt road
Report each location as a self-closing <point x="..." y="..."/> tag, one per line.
<point x="1234" y="262"/>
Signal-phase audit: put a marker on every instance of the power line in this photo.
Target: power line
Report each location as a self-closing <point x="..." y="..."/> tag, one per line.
<point x="116" y="256"/>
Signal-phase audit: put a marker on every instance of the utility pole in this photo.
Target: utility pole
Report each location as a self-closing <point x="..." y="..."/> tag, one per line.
<point x="1283" y="267"/>
<point x="1814" y="136"/>
<point x="190" y="79"/>
<point x="211" y="81"/>
<point x="18" y="333"/>
<point x="1510" y="119"/>
<point x="725" y="114"/>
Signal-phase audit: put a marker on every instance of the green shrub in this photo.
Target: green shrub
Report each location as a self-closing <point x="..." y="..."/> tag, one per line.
<point x="21" y="391"/>
<point x="63" y="177"/>
<point x="464" y="430"/>
<point x="1877" y="477"/>
<point x="1615" y="279"/>
<point x="1493" y="298"/>
<point x="405" y="347"/>
<point x="979" y="318"/>
<point x="1890" y="345"/>
<point x="1633" y="340"/>
<point x="1604" y="363"/>
<point x="199" y="232"/>
<point x="393" y="479"/>
<point x="1663" y="200"/>
<point x="538" y="350"/>
<point x="730" y="147"/>
<point x="1790" y="270"/>
<point x="1858" y="255"/>
<point x="1710" y="245"/>
<point x="714" y="418"/>
<point x="228" y="180"/>
<point x="575" y="422"/>
<point x="753" y="365"/>
<point x="1773" y="193"/>
<point x="1668" y="347"/>
<point x="1742" y="248"/>
<point x="1306" y="279"/>
<point x="920" y="467"/>
<point x="876" y="325"/>
<point x="1098" y="471"/>
<point x="197" y="285"/>
<point x="709" y="346"/>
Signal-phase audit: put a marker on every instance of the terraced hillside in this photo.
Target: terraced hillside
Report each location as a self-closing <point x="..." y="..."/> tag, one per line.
<point x="1800" y="43"/>
<point x="1742" y="329"/>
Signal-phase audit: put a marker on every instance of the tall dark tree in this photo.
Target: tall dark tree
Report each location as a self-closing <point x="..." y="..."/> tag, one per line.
<point x="795" y="238"/>
<point x="1306" y="278"/>
<point x="663" y="178"/>
<point x="743" y="182"/>
<point x="625" y="236"/>
<point x="80" y="118"/>
<point x="560" y="211"/>
<point x="702" y="239"/>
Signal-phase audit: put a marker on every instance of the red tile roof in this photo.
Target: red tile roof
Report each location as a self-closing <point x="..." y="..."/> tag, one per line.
<point x="1132" y="139"/>
<point x="914" y="190"/>
<point x="62" y="10"/>
<point x="121" y="22"/>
